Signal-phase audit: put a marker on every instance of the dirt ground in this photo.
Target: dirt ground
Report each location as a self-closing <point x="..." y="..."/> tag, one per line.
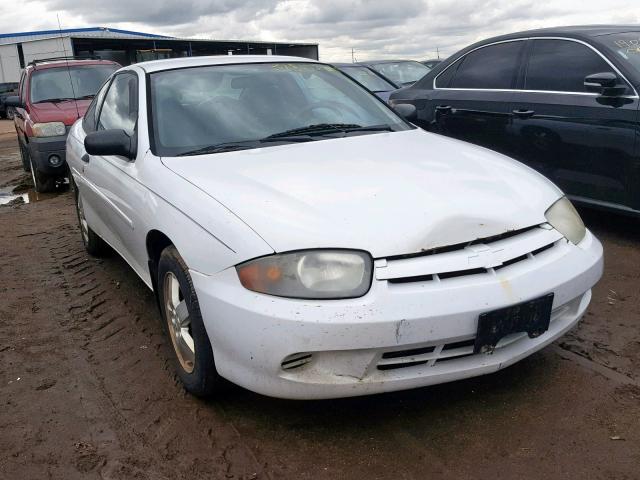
<point x="87" y="389"/>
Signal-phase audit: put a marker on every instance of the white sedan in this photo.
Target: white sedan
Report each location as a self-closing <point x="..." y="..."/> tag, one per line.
<point x="305" y="241"/>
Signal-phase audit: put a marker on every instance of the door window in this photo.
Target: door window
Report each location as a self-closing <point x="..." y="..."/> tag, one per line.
<point x="492" y="67"/>
<point x="120" y="107"/>
<point x="561" y="66"/>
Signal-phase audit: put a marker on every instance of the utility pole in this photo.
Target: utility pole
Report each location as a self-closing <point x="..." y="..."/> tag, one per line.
<point x="438" y="52"/>
<point x="353" y="56"/>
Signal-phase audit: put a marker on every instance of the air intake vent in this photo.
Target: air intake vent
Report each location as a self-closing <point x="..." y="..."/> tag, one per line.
<point x="296" y="360"/>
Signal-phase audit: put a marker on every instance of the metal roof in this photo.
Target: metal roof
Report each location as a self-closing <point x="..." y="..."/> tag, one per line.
<point x="67" y="31"/>
<point x="115" y="33"/>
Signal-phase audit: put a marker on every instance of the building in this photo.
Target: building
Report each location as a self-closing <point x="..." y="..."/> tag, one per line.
<point x="125" y="47"/>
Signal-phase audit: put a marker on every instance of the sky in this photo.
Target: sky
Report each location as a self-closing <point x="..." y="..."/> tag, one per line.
<point x="415" y="29"/>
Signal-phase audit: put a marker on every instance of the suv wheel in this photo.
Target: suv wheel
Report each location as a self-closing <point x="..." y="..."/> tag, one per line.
<point x="10" y="113"/>
<point x="183" y="323"/>
<point x="41" y="182"/>
<point x="24" y="156"/>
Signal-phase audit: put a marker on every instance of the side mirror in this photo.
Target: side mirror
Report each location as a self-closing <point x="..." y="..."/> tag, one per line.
<point x="606" y="84"/>
<point x="111" y="142"/>
<point x="13" y="101"/>
<point x="406" y="111"/>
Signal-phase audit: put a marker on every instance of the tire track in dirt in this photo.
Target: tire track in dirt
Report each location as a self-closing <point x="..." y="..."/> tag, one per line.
<point x="118" y="329"/>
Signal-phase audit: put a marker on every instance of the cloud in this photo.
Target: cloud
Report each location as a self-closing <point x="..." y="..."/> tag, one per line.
<point x="373" y="28"/>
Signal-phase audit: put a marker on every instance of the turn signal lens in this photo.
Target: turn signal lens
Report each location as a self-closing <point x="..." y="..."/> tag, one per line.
<point x="311" y="274"/>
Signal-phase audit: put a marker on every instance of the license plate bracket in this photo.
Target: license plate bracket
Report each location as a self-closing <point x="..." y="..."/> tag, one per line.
<point x="532" y="317"/>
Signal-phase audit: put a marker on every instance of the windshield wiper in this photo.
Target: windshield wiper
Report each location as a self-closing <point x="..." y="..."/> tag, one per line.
<point x="218" y="148"/>
<point x="317" y="128"/>
<point x="86" y="97"/>
<point x="54" y="100"/>
<point x="322" y="128"/>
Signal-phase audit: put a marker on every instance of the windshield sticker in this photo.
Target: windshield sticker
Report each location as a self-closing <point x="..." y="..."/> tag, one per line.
<point x="628" y="46"/>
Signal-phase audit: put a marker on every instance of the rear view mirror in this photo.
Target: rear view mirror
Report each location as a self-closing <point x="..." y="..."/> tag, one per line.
<point x="111" y="142"/>
<point x="13" y="101"/>
<point x="606" y="84"/>
<point x="406" y="111"/>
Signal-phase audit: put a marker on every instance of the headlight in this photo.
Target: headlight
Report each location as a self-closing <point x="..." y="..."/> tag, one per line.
<point x="51" y="129"/>
<point x="564" y="218"/>
<point x="310" y="274"/>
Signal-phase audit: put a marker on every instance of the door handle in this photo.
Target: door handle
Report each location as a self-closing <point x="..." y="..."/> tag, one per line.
<point x="443" y="108"/>
<point x="522" y="113"/>
<point x="85" y="158"/>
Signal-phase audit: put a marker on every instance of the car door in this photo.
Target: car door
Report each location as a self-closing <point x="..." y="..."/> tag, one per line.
<point x="112" y="179"/>
<point x="582" y="141"/>
<point x="472" y="97"/>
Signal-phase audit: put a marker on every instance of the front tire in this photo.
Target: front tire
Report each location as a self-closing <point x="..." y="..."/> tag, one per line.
<point x="183" y="323"/>
<point x="41" y="183"/>
<point x="10" y="113"/>
<point x="93" y="244"/>
<point x="24" y="156"/>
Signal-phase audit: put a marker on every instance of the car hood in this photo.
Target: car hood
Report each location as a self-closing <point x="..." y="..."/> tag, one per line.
<point x="387" y="193"/>
<point x="66" y="112"/>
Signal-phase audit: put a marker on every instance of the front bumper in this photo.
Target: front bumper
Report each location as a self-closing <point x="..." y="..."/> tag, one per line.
<point x="41" y="148"/>
<point x="425" y="327"/>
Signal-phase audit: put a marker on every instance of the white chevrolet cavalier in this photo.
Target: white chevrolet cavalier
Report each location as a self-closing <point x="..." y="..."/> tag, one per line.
<point x="305" y="241"/>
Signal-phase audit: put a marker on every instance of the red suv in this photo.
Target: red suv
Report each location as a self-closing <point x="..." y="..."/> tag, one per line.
<point x="52" y="95"/>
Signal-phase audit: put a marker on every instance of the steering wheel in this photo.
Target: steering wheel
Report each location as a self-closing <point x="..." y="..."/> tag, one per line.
<point x="336" y="107"/>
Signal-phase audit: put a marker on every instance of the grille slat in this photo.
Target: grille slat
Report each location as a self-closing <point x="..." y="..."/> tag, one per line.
<point x="481" y="257"/>
<point x="296" y="360"/>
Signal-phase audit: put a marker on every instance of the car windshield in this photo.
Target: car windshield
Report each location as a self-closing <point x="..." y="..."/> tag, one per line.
<point x="53" y="84"/>
<point x="402" y="73"/>
<point x="217" y="108"/>
<point x="369" y="79"/>
<point x="626" y="46"/>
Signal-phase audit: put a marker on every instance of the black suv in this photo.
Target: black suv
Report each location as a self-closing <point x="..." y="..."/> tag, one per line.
<point x="564" y="101"/>
<point x="7" y="90"/>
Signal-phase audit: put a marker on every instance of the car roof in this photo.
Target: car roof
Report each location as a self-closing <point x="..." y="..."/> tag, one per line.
<point x="581" y="32"/>
<point x="187" y="62"/>
<point x="63" y="63"/>
<point x="347" y="64"/>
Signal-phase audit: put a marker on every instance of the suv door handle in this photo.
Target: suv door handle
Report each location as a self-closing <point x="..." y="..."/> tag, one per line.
<point x="85" y="158"/>
<point x="443" y="108"/>
<point x="522" y="113"/>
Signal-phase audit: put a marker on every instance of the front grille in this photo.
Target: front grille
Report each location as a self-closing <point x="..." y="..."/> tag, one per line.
<point x="480" y="257"/>
<point x="428" y="355"/>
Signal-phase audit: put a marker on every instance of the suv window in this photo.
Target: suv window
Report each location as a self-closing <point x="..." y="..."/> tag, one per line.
<point x="561" y="66"/>
<point x="120" y="107"/>
<point x="491" y="67"/>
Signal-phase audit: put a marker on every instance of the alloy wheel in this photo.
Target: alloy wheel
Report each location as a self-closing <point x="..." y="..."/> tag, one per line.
<point x="178" y="322"/>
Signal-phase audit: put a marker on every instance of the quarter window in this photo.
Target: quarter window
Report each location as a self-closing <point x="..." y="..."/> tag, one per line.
<point x="492" y="67"/>
<point x="561" y="66"/>
<point x="120" y="107"/>
<point x="90" y="119"/>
